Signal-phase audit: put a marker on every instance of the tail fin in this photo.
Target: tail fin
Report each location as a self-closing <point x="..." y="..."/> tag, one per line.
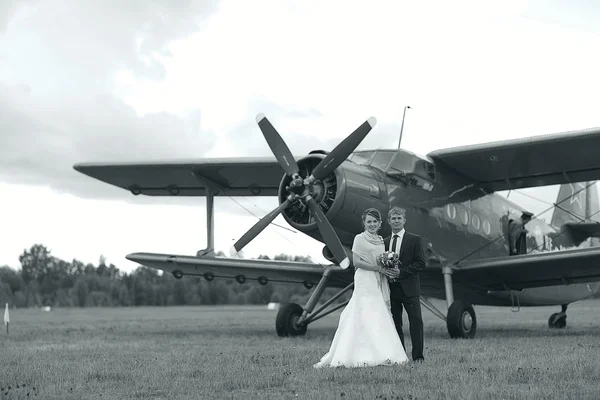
<point x="576" y="204"/>
<point x="577" y="213"/>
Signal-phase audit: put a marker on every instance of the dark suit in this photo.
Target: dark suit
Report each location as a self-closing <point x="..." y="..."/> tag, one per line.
<point x="406" y="291"/>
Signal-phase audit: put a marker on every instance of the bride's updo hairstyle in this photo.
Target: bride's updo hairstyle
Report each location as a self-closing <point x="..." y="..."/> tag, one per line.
<point x="373" y="212"/>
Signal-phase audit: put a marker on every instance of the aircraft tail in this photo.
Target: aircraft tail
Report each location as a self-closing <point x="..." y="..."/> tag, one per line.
<point x="576" y="204"/>
<point x="578" y="212"/>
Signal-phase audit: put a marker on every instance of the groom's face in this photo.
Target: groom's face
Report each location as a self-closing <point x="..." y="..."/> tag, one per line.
<point x="397" y="222"/>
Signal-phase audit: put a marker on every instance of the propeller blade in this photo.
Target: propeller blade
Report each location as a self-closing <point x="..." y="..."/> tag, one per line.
<point x="278" y="147"/>
<point x="342" y="151"/>
<point x="260" y="226"/>
<point x="331" y="238"/>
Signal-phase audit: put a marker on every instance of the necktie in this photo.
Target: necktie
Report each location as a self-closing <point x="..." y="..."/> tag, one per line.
<point x="394" y="243"/>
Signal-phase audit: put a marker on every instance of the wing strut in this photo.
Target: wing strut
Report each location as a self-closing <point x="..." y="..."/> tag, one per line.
<point x="210" y="221"/>
<point x="212" y="188"/>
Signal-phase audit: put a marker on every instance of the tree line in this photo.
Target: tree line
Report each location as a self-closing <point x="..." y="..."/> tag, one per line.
<point x="45" y="280"/>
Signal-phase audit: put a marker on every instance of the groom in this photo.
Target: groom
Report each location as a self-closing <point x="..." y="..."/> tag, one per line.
<point x="405" y="289"/>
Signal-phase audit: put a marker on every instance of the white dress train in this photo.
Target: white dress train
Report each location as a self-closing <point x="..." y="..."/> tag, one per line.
<point x="366" y="334"/>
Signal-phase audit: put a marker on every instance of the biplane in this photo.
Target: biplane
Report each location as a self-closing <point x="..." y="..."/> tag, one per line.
<point x="451" y="200"/>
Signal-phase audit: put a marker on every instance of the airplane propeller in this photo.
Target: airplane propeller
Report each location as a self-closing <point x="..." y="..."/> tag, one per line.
<point x="341" y="151"/>
<point x="329" y="236"/>
<point x="262" y="224"/>
<point x="278" y="147"/>
<point x="300" y="190"/>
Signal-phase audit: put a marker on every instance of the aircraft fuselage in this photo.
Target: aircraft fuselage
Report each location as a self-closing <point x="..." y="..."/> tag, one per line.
<point x="454" y="226"/>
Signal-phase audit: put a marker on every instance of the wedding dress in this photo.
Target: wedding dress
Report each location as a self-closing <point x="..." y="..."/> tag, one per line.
<point x="366" y="334"/>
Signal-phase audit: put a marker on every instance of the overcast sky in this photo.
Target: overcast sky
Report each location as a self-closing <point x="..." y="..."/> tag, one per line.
<point x="150" y="80"/>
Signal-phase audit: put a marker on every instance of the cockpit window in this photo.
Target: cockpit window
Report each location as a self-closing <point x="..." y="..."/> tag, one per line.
<point x="382" y="159"/>
<point x="413" y="170"/>
<point x="361" y="158"/>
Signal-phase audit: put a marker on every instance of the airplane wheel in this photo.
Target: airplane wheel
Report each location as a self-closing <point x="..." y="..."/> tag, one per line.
<point x="287" y="316"/>
<point x="557" y="321"/>
<point x="461" y="320"/>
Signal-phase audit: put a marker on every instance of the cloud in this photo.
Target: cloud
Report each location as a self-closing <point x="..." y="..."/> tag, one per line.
<point x="66" y="62"/>
<point x="57" y="102"/>
<point x="41" y="142"/>
<point x="7" y="10"/>
<point x="93" y="39"/>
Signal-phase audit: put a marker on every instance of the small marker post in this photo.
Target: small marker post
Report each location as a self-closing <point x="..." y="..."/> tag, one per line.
<point x="6" y="318"/>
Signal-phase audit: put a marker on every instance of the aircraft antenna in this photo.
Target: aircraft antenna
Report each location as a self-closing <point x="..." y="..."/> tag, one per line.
<point x="402" y="126"/>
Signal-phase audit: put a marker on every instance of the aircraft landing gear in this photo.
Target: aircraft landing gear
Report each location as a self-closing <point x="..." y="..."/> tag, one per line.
<point x="461" y="320"/>
<point x="293" y="320"/>
<point x="286" y="322"/>
<point x="558" y="320"/>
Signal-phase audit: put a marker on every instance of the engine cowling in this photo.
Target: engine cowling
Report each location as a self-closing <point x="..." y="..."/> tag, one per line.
<point x="342" y="196"/>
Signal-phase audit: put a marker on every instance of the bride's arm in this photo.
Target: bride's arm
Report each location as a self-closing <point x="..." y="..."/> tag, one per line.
<point x="362" y="264"/>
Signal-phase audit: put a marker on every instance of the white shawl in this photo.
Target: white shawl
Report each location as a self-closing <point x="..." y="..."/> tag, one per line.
<point x="364" y="248"/>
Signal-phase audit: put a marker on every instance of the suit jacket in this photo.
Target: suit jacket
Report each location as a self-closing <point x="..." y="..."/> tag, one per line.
<point x="413" y="260"/>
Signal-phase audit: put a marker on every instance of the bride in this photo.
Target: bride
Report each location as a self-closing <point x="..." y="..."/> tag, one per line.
<point x="366" y="334"/>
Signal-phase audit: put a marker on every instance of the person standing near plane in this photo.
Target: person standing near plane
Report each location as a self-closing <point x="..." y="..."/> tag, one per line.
<point x="366" y="335"/>
<point x="517" y="234"/>
<point x="405" y="287"/>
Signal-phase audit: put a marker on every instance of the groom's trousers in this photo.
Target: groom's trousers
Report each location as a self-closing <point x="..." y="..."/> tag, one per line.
<point x="415" y="319"/>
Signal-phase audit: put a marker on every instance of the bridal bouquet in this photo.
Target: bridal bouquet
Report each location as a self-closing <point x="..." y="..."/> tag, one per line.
<point x="389" y="260"/>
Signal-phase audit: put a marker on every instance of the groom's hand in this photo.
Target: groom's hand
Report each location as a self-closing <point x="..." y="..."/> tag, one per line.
<point x="393" y="273"/>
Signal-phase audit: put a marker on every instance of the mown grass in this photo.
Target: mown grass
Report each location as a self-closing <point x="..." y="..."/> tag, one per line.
<point x="234" y="353"/>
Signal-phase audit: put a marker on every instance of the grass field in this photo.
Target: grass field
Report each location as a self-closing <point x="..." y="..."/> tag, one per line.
<point x="233" y="352"/>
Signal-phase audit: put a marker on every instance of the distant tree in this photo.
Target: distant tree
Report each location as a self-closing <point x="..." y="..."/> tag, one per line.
<point x="276" y="297"/>
<point x="34" y="263"/>
<point x="11" y="278"/>
<point x="6" y="294"/>
<point x="77" y="268"/>
<point x="98" y="299"/>
<point x="63" y="299"/>
<point x="80" y="291"/>
<point x="102" y="269"/>
<point x="124" y="299"/>
<point x="19" y="299"/>
<point x="34" y="299"/>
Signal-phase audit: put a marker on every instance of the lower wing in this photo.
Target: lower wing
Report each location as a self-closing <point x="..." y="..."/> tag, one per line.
<point x="262" y="271"/>
<point x="532" y="270"/>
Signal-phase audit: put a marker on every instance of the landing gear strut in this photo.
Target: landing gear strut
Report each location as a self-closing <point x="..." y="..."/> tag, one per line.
<point x="558" y="320"/>
<point x="293" y="320"/>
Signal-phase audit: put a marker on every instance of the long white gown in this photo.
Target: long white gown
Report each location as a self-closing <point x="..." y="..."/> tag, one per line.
<point x="366" y="334"/>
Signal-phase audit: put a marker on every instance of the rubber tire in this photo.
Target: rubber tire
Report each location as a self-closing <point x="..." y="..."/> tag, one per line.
<point x="455" y="320"/>
<point x="286" y="316"/>
<point x="560" y="323"/>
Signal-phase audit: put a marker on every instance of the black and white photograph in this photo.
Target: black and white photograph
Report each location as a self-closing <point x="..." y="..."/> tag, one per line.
<point x="286" y="199"/>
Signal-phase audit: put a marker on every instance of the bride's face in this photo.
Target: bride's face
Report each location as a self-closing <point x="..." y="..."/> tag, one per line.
<point x="371" y="224"/>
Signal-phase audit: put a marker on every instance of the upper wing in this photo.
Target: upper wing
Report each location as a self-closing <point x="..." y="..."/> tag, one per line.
<point x="531" y="270"/>
<point x="226" y="177"/>
<point x="529" y="162"/>
<point x="221" y="267"/>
